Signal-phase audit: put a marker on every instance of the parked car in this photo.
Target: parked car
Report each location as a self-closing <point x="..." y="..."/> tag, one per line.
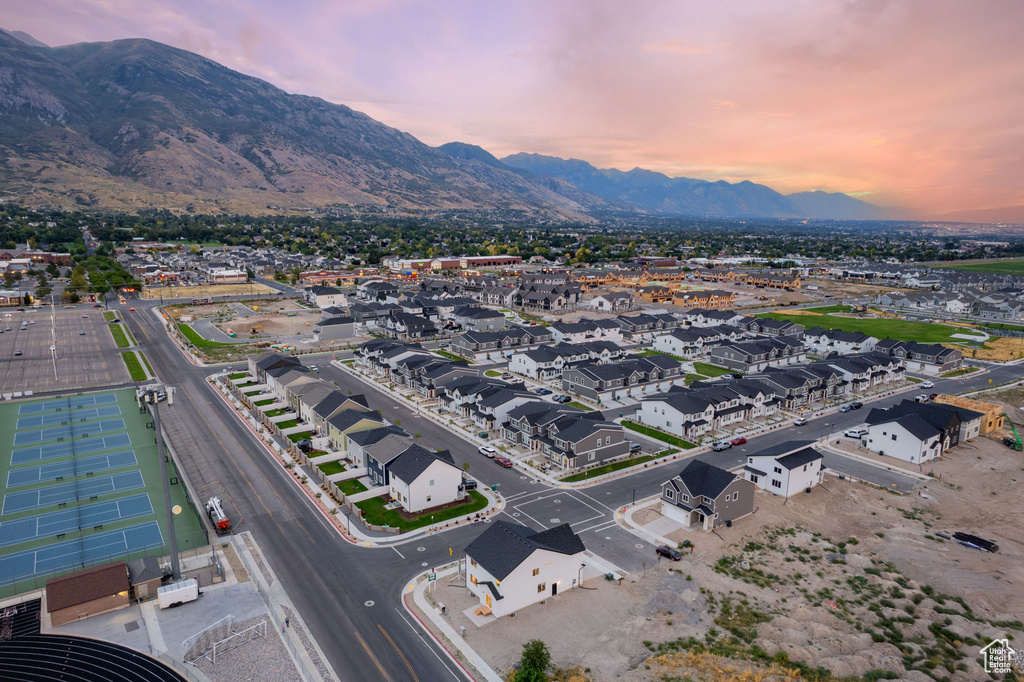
<point x="469" y="484"/>
<point x="562" y="399"/>
<point x="84" y="315"/>
<point x="487" y="451"/>
<point x="443" y="344"/>
<point x="800" y="421"/>
<point x="17" y="352"/>
<point x="668" y="553"/>
<point x="738" y="441"/>
<point x="927" y="384"/>
<point x="506" y="376"/>
<point x="921" y="398"/>
<point x="132" y="309"/>
<point x="855" y="433"/>
<point x="634" y="447"/>
<point x="503" y="462"/>
<point x="933" y="396"/>
<point x="856" y="405"/>
<point x="845" y="408"/>
<point x="720" y="445"/>
<point x="81" y="332"/>
<point x="543" y="391"/>
<point x="97" y="305"/>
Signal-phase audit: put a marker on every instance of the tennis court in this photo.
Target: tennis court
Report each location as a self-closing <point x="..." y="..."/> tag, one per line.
<point x="95" y="495"/>
<point x="68" y="520"/>
<point x="73" y="402"/>
<point x="68" y="448"/>
<point x="55" y="471"/>
<point x="63" y="493"/>
<point x="51" y="418"/>
<point x="69" y="554"/>
<point x="82" y="429"/>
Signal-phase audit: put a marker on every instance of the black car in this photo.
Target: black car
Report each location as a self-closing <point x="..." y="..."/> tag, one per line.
<point x="562" y="399"/>
<point x="668" y="553"/>
<point x="469" y="484"/>
<point x="856" y="405"/>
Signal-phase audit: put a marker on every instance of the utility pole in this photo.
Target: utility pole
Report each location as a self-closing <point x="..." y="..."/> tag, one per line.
<point x="172" y="540"/>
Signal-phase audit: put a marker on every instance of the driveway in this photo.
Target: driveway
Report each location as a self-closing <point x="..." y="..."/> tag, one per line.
<point x="866" y="471"/>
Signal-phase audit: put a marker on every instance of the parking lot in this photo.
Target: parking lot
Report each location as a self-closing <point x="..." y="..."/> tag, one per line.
<point x="82" y="360"/>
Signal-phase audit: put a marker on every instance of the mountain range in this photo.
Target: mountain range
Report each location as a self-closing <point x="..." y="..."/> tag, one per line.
<point x="131" y="124"/>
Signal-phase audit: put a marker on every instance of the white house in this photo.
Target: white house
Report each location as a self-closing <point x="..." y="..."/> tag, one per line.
<point x="512" y="566"/>
<point x="421" y="479"/>
<point x="785" y="469"/>
<point x="909" y="437"/>
<point x="682" y="414"/>
<point x="324" y="297"/>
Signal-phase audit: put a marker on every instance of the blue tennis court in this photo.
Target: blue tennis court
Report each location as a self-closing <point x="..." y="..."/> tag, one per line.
<point x="70" y="467"/>
<point x="67" y="449"/>
<point x="35" y="421"/>
<point x="77" y="430"/>
<point x="78" y="553"/>
<point x="67" y="520"/>
<point x="69" y="492"/>
<point x="62" y="403"/>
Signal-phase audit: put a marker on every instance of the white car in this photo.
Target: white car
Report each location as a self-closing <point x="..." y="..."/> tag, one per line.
<point x="855" y="433"/>
<point x="923" y="398"/>
<point x="800" y="421"/>
<point x="927" y="384"/>
<point x="487" y="451"/>
<point x="720" y="445"/>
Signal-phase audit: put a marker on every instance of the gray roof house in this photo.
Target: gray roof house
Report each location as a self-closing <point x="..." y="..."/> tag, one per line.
<point x="707" y="497"/>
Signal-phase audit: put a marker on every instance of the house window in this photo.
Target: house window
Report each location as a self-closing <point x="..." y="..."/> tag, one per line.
<point x="536" y="571"/>
<point x="591" y="457"/>
<point x="778" y="470"/>
<point x="608" y="440"/>
<point x="776" y="483"/>
<point x="428" y="498"/>
<point x="472" y="578"/>
<point x="894" y="436"/>
<point x="670" y="494"/>
<point x="472" y="562"/>
<point x="542" y="587"/>
<point x="805" y="467"/>
<point x="686" y="498"/>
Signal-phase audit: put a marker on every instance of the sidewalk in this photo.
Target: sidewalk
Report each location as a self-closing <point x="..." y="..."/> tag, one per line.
<point x="824" y="444"/>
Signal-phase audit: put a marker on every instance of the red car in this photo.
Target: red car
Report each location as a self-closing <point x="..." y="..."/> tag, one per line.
<point x="503" y="461"/>
<point x="132" y="309"/>
<point x="738" y="441"/>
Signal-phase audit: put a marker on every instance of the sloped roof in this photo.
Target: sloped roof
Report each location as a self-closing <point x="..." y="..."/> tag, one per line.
<point x="351" y="417"/>
<point x="408" y="465"/>
<point x="504" y="546"/>
<point x="85" y="586"/>
<point x="701" y="478"/>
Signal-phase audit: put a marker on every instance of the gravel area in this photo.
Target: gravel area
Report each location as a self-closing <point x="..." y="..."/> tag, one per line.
<point x="307" y="644"/>
<point x="241" y="575"/>
<point x="258" y="558"/>
<point x="259" y="659"/>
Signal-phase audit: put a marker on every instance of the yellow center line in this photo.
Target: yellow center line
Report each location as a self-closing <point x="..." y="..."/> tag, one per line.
<point x="399" y="651"/>
<point x="372" y="657"/>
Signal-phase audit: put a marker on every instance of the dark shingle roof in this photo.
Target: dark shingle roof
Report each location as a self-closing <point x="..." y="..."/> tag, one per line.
<point x="799" y="458"/>
<point x="701" y="478"/>
<point x="503" y="546"/>
<point x="415" y="460"/>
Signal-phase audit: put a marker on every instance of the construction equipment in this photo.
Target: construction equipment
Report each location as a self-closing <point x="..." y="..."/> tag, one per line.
<point x="256" y="329"/>
<point x="1017" y="445"/>
<point x="220" y="520"/>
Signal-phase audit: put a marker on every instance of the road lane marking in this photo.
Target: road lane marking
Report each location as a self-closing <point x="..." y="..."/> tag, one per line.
<point x="423" y="639"/>
<point x="397" y="552"/>
<point x="399" y="652"/>
<point x="372" y="657"/>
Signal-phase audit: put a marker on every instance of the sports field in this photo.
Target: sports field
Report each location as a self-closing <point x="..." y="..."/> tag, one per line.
<point x="80" y="485"/>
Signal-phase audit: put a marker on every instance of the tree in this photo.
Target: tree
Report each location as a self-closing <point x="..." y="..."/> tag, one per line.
<point x="52" y="270"/>
<point x="69" y="297"/>
<point x="534" y="663"/>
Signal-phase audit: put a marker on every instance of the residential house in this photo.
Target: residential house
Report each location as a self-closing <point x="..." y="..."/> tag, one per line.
<point x="510" y="566"/>
<point x="399" y="325"/>
<point x="484" y="345"/>
<point x="382" y="442"/>
<point x="705" y="299"/>
<point x="612" y="302"/>
<point x="825" y="341"/>
<point x="566" y="436"/>
<point x="785" y="469"/>
<point x="908" y="437"/>
<point x="478" y="319"/>
<point x="693" y="342"/>
<point x="706" y="497"/>
<point x="655" y="294"/>
<point x="617" y="380"/>
<point x="261" y="362"/>
<point x="422" y="479"/>
<point x="346" y="422"/>
<point x="324" y="297"/>
<point x="334" y="328"/>
<point x="930" y="358"/>
<point x="756" y="355"/>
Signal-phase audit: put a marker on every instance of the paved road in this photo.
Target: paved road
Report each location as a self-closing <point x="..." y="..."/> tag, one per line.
<point x="331" y="581"/>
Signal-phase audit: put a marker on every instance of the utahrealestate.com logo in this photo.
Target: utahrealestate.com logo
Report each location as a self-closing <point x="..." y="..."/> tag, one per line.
<point x="999" y="659"/>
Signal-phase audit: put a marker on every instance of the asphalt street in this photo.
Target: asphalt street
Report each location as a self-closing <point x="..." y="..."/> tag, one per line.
<point x="348" y="594"/>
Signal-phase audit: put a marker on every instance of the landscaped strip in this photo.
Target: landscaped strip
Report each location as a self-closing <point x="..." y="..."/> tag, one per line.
<point x="658" y="435"/>
<point x="580" y="406"/>
<point x="149" y="367"/>
<point x="198" y="341"/>
<point x="959" y="372"/>
<point x="109" y="315"/>
<point x="710" y="370"/>
<point x="451" y="356"/>
<point x="377" y="515"/>
<point x="120" y="340"/>
<point x="616" y="466"/>
<point x="135" y="369"/>
<point x="492" y="373"/>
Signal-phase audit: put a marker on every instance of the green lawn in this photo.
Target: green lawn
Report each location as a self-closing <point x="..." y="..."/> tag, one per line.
<point x="492" y="373"/>
<point x="134" y="366"/>
<point x="238" y="375"/>
<point x="825" y="309"/>
<point x="302" y="435"/>
<point x="252" y="393"/>
<point x="616" y="466"/>
<point x="690" y="378"/>
<point x="378" y="516"/>
<point x="287" y="424"/>
<point x="330" y="468"/>
<point x="580" y="406"/>
<point x="999" y="267"/>
<point x="278" y="412"/>
<point x="119" y="337"/>
<point x="261" y="403"/>
<point x="351" y="487"/>
<point x="649" y="352"/>
<point x="109" y="315"/>
<point x="198" y="341"/>
<point x="999" y="325"/>
<point x="659" y="435"/>
<point x="453" y="356"/>
<point x="881" y="328"/>
<point x="960" y="372"/>
<point x="710" y="370"/>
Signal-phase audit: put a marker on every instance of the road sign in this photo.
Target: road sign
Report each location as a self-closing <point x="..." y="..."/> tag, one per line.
<point x="431" y="577"/>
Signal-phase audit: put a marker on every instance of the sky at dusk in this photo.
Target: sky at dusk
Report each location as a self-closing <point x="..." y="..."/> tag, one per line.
<point x="918" y="104"/>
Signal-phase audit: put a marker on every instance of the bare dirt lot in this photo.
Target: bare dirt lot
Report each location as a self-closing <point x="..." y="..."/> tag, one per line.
<point x="848" y="582"/>
<point x="207" y="291"/>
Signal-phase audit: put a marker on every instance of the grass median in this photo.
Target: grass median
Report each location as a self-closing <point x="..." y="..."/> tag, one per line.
<point x="377" y="515"/>
<point x="131" y="361"/>
<point x="198" y="341"/>
<point x="658" y="435"/>
<point x="120" y="339"/>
